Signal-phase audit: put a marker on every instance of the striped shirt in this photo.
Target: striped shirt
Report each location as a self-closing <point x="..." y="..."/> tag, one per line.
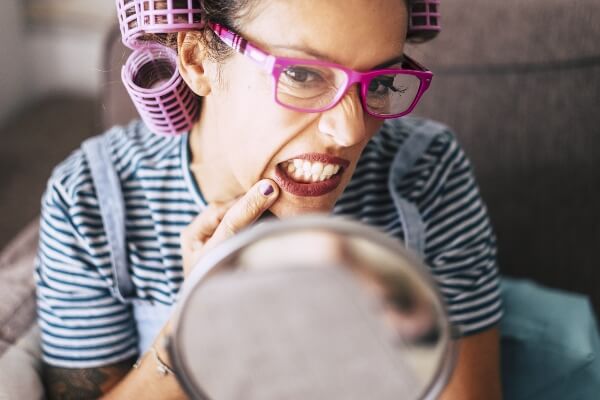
<point x="83" y="324"/>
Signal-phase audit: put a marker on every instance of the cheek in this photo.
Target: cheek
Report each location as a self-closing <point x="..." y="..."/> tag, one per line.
<point x="254" y="128"/>
<point x="372" y="126"/>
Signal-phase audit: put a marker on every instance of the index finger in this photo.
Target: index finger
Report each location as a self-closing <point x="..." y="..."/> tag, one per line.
<point x="204" y="224"/>
<point x="247" y="209"/>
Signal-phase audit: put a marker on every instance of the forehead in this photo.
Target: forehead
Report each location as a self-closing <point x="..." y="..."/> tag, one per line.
<point x="359" y="34"/>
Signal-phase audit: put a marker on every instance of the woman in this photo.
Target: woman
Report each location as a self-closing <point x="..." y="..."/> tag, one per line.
<point x="241" y="160"/>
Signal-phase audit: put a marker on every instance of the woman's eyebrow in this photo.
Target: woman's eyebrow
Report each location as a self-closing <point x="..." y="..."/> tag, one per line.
<point x="321" y="56"/>
<point x="304" y="49"/>
<point x="392" y="61"/>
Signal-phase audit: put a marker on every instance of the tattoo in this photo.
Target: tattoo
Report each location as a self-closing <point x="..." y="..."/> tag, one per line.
<point x="90" y="383"/>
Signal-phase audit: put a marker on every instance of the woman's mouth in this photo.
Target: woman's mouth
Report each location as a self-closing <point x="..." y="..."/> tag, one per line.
<point x="313" y="174"/>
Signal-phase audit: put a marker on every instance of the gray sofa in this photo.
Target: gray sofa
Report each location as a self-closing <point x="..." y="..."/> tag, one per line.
<point x="519" y="81"/>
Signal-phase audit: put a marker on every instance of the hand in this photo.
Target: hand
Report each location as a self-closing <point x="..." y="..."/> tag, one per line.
<point x="220" y="221"/>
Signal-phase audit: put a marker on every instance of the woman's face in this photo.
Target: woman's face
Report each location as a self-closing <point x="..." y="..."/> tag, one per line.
<point x="255" y="136"/>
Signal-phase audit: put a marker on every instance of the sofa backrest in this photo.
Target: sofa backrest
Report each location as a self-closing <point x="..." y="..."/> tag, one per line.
<point x="116" y="106"/>
<point x="519" y="82"/>
<point x="17" y="308"/>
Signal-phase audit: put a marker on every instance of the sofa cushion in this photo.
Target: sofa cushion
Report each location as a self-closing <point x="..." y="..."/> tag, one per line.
<point x="17" y="308"/>
<point x="543" y="356"/>
<point x="21" y="369"/>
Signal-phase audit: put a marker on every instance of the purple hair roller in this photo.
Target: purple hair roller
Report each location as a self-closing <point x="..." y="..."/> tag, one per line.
<point x="424" y="20"/>
<point x="165" y="103"/>
<point x="128" y="12"/>
<point x="161" y="96"/>
<point x="138" y="17"/>
<point x="168" y="16"/>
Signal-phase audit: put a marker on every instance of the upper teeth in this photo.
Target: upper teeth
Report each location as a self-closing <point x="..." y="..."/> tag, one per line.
<point x="306" y="171"/>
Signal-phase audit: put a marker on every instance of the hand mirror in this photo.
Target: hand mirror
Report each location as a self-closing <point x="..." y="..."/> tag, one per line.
<point x="312" y="307"/>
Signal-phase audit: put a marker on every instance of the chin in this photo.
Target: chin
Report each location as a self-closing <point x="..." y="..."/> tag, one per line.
<point x="290" y="206"/>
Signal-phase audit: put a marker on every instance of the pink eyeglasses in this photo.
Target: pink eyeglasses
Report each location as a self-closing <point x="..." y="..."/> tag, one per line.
<point x="317" y="86"/>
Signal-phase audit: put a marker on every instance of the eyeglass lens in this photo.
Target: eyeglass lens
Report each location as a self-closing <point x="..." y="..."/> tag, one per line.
<point x="315" y="87"/>
<point x="391" y="94"/>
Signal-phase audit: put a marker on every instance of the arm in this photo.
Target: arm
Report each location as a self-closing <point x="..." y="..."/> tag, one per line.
<point x="477" y="372"/>
<point x="90" y="383"/>
<point x="461" y="251"/>
<point x="121" y="381"/>
<point x="215" y="224"/>
<point x="145" y="382"/>
<point x="88" y="336"/>
<point x="117" y="381"/>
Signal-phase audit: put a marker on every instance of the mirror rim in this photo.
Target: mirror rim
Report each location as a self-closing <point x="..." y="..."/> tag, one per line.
<point x="324" y="222"/>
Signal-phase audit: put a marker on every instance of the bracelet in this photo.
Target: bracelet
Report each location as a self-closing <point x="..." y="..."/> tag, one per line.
<point x="161" y="367"/>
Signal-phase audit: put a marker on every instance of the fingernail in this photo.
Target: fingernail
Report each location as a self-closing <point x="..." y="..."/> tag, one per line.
<point x="266" y="189"/>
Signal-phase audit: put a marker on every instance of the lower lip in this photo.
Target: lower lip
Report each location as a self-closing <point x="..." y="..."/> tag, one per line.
<point x="306" y="189"/>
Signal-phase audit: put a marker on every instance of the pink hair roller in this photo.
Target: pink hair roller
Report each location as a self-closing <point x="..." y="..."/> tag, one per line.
<point x="138" y="17"/>
<point x="128" y="12"/>
<point x="165" y="103"/>
<point x="168" y="18"/>
<point x="161" y="96"/>
<point x="424" y="20"/>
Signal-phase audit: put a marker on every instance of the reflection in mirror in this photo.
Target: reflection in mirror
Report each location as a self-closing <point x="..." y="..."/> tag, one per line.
<point x="315" y="308"/>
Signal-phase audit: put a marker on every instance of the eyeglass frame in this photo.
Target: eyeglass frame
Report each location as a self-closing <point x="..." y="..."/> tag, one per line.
<point x="275" y="65"/>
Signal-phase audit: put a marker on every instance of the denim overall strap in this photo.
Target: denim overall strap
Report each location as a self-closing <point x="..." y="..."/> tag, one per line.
<point x="112" y="210"/>
<point x="150" y="316"/>
<point x="413" y="147"/>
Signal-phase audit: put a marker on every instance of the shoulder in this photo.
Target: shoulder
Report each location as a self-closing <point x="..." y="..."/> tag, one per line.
<point x="134" y="146"/>
<point x="130" y="147"/>
<point x="368" y="196"/>
<point x="70" y="209"/>
<point x="394" y="134"/>
<point x="437" y="178"/>
<point x="419" y="148"/>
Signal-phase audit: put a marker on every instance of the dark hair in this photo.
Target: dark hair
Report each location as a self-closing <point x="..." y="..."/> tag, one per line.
<point x="224" y="12"/>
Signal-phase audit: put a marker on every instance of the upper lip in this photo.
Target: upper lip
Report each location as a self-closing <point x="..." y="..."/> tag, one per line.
<point x="323" y="158"/>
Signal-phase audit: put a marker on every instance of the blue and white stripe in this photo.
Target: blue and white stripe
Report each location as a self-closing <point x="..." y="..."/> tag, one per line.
<point x="82" y="323"/>
<point x="460" y="244"/>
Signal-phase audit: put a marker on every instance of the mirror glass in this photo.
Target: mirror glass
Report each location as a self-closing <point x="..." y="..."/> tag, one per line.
<point x="311" y="308"/>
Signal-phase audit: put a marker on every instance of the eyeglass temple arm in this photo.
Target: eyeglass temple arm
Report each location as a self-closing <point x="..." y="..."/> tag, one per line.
<point x="413" y="64"/>
<point x="242" y="46"/>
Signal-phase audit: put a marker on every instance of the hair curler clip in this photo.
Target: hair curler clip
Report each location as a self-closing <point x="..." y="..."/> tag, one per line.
<point x="139" y="17"/>
<point x="151" y="75"/>
<point x="161" y="96"/>
<point x="424" y="20"/>
<point x="129" y="15"/>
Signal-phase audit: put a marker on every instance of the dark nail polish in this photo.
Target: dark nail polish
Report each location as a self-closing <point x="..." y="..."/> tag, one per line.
<point x="266" y="189"/>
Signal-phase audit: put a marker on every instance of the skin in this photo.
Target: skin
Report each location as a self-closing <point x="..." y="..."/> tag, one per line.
<point x="234" y="154"/>
<point x="66" y="383"/>
<point x="231" y="154"/>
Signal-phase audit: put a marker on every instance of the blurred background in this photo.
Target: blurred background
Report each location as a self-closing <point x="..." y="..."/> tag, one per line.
<point x="517" y="80"/>
<point x="50" y="80"/>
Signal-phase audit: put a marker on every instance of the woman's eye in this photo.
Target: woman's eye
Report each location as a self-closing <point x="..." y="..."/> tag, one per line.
<point x="380" y="86"/>
<point x="385" y="86"/>
<point x="302" y="75"/>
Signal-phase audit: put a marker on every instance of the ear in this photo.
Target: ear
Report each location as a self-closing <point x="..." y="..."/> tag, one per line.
<point x="192" y="60"/>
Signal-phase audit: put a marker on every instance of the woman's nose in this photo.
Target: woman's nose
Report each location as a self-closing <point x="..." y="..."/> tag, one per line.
<point x="345" y="123"/>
